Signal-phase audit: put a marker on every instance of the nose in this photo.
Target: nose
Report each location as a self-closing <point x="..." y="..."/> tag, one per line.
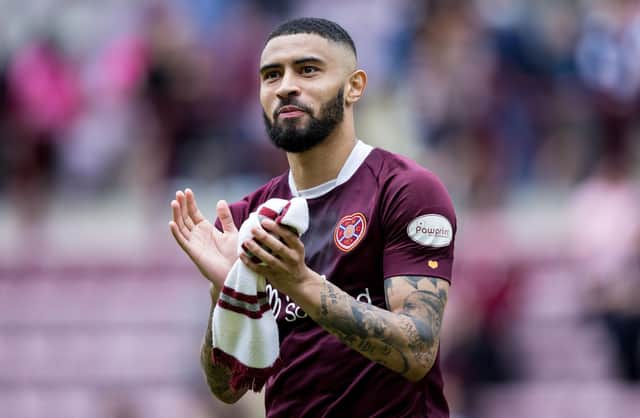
<point x="288" y="86"/>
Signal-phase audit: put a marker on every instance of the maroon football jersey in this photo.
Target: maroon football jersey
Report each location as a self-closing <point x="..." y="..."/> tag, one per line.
<point x="387" y="217"/>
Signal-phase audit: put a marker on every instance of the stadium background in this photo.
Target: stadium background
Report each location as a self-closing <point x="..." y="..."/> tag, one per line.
<point x="528" y="111"/>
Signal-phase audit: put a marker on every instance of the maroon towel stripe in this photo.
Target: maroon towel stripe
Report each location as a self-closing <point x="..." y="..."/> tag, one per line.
<point x="243" y="296"/>
<point x="243" y="376"/>
<point x="251" y="314"/>
<point x="283" y="212"/>
<point x="269" y="213"/>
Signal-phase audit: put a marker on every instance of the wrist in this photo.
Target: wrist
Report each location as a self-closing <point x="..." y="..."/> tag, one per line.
<point x="306" y="288"/>
<point x="214" y="292"/>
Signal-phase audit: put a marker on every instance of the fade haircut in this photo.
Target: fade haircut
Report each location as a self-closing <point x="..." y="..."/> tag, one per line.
<point x="317" y="26"/>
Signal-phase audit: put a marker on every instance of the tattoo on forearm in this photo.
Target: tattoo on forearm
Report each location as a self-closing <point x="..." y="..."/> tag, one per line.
<point x="403" y="341"/>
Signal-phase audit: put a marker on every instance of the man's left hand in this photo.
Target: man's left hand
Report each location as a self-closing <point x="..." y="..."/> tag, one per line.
<point x="281" y="255"/>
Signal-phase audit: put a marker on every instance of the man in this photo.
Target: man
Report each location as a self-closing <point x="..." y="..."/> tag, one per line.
<point x="359" y="299"/>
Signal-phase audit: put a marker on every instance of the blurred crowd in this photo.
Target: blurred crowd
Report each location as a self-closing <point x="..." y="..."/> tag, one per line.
<point x="497" y="94"/>
<point x="528" y="111"/>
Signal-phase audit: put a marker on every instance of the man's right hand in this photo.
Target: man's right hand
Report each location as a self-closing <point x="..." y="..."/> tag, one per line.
<point x="212" y="251"/>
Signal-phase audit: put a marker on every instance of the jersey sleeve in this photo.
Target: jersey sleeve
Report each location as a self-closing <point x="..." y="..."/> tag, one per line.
<point x="419" y="225"/>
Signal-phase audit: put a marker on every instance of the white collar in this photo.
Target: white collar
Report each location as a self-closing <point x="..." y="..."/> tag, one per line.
<point x="357" y="156"/>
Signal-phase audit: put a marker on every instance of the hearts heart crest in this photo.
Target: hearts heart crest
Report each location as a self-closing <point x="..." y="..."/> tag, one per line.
<point x="350" y="231"/>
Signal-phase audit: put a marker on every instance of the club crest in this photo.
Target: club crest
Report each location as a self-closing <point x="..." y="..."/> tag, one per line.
<point x="350" y="231"/>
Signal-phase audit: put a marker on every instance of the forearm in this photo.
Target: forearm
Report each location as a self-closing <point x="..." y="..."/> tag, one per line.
<point x="217" y="377"/>
<point x="404" y="342"/>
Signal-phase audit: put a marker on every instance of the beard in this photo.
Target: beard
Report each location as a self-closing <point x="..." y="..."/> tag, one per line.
<point x="291" y="138"/>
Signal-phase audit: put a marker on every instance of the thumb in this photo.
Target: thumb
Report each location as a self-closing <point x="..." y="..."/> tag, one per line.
<point x="224" y="214"/>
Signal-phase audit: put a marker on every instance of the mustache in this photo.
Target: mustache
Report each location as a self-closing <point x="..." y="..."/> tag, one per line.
<point x="290" y="102"/>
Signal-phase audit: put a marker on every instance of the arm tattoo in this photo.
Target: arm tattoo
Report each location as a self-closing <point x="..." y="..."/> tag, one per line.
<point x="405" y="340"/>
<point x="217" y="377"/>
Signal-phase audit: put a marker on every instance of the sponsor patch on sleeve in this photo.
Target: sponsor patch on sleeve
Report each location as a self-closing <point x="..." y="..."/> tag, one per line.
<point x="431" y="230"/>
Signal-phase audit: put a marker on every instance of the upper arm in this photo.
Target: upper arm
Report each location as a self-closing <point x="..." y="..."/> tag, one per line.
<point x="422" y="299"/>
<point x="419" y="225"/>
<point x="413" y="295"/>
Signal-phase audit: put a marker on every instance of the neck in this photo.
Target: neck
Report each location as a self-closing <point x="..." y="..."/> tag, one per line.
<point x="324" y="161"/>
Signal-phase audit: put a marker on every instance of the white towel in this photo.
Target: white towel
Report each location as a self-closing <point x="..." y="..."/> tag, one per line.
<point x="245" y="332"/>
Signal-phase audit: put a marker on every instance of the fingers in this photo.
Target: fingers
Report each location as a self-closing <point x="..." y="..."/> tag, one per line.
<point x="177" y="234"/>
<point x="269" y="241"/>
<point x="263" y="261"/>
<point x="224" y="214"/>
<point x="184" y="211"/>
<point x="178" y="220"/>
<point x="289" y="237"/>
<point x="192" y="207"/>
<point x="256" y="266"/>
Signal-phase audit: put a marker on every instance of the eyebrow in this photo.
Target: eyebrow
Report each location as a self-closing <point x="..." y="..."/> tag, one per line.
<point x="303" y="60"/>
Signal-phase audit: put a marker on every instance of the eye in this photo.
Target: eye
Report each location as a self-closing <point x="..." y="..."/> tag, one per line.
<point x="309" y="69"/>
<point x="270" y="75"/>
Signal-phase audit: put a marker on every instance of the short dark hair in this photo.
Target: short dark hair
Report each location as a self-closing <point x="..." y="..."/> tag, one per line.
<point x="315" y="25"/>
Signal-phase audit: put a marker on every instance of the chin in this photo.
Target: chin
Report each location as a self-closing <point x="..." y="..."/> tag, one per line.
<point x="297" y="125"/>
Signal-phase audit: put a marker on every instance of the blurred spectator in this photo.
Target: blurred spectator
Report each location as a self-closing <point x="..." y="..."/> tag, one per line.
<point x="110" y="122"/>
<point x="4" y="124"/>
<point x="44" y="98"/>
<point x="608" y="52"/>
<point x="605" y="241"/>
<point x="45" y="91"/>
<point x="479" y="348"/>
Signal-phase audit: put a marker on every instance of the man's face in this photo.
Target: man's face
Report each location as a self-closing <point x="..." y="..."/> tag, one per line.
<point x="301" y="89"/>
<point x="291" y="135"/>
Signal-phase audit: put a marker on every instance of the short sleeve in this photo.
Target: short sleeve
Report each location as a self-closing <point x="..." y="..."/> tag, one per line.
<point x="419" y="225"/>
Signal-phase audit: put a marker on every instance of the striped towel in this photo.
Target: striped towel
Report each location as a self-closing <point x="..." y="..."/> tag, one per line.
<point x="245" y="333"/>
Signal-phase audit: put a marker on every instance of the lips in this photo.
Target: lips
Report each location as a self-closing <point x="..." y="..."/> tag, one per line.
<point x="290" y="112"/>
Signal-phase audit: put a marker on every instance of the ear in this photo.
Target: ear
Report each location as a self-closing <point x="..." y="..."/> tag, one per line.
<point x="355" y="87"/>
